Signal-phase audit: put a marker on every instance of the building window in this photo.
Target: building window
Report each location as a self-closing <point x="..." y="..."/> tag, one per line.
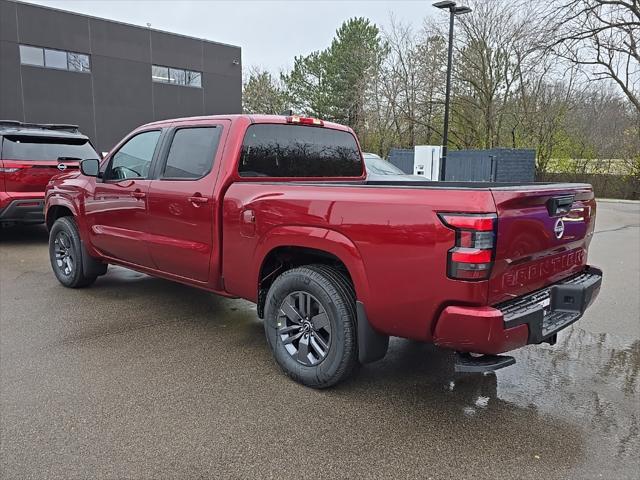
<point x="55" y="59"/>
<point x="176" y="76"/>
<point x="194" y="79"/>
<point x="160" y="74"/>
<point x="78" y="62"/>
<point x="31" y="56"/>
<point x="49" y="58"/>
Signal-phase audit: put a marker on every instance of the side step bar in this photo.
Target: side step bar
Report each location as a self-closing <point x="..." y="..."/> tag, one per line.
<point x="466" y="363"/>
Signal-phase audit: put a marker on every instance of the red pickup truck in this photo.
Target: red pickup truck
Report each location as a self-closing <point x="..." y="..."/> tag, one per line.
<point x="278" y="210"/>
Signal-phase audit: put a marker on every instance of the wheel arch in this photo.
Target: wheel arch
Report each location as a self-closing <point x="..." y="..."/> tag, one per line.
<point x="289" y="247"/>
<point x="59" y="209"/>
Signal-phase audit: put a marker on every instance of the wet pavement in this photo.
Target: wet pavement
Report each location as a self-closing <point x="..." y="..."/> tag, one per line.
<point x="137" y="378"/>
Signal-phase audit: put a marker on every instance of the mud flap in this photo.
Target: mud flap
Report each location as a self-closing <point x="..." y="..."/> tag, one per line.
<point x="372" y="345"/>
<point x="91" y="266"/>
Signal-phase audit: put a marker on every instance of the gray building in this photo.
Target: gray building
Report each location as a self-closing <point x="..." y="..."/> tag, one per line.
<point x="108" y="77"/>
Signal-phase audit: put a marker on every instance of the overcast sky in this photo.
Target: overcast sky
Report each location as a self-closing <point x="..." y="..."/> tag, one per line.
<point x="270" y="32"/>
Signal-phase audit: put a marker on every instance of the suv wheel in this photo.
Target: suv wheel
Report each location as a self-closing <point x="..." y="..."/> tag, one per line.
<point x="310" y="325"/>
<point x="65" y="253"/>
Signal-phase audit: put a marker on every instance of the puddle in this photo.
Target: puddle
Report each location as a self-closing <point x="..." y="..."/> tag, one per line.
<point x="585" y="379"/>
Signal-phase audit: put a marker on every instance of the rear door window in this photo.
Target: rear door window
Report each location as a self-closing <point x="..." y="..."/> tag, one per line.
<point x="276" y="150"/>
<point x="192" y="152"/>
<point x="36" y="148"/>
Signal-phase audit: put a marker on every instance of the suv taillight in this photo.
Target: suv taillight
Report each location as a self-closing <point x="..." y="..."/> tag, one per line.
<point x="471" y="258"/>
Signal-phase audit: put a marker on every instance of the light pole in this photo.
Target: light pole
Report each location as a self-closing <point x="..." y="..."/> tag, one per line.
<point x="453" y="11"/>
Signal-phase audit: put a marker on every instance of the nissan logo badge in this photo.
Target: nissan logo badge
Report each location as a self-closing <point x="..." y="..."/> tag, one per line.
<point x="62" y="167"/>
<point x="558" y="228"/>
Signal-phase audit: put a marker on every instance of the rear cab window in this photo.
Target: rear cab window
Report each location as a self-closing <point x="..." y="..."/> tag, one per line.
<point x="298" y="151"/>
<point x="40" y="147"/>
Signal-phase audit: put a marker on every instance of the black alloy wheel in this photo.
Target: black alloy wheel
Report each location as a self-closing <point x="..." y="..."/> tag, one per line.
<point x="64" y="254"/>
<point x="304" y="328"/>
<point x="310" y="324"/>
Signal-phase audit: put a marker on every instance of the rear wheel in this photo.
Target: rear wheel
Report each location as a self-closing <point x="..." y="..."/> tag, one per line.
<point x="310" y="325"/>
<point x="65" y="253"/>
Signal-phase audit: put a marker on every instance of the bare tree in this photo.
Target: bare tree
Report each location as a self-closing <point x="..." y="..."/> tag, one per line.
<point x="497" y="54"/>
<point x="602" y="37"/>
<point x="410" y="85"/>
<point x="400" y="80"/>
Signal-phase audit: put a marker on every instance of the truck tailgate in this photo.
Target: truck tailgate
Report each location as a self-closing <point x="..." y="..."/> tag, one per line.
<point x="543" y="236"/>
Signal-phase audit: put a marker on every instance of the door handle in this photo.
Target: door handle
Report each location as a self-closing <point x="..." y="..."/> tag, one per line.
<point x="198" y="199"/>
<point x="138" y="194"/>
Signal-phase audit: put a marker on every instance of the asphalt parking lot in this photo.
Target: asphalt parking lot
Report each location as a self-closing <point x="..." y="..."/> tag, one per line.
<point x="138" y="378"/>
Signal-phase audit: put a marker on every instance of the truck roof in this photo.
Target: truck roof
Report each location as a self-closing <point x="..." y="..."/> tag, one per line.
<point x="252" y="118"/>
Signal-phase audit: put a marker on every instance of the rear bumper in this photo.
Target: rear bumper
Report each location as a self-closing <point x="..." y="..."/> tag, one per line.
<point x="533" y="318"/>
<point x="24" y="210"/>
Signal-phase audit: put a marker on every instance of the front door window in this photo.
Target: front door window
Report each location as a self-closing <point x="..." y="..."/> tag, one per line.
<point x="133" y="160"/>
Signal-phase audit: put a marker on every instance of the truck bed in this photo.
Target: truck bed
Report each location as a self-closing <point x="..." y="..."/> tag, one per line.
<point x="477" y="185"/>
<point x="402" y="242"/>
<point x="440" y="185"/>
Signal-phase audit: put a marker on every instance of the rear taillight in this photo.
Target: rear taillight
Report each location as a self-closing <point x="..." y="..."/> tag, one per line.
<point x="471" y="258"/>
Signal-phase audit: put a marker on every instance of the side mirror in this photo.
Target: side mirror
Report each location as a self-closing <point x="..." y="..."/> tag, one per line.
<point x="90" y="167"/>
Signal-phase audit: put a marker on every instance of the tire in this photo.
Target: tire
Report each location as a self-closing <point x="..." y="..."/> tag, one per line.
<point x="65" y="254"/>
<point x="323" y="320"/>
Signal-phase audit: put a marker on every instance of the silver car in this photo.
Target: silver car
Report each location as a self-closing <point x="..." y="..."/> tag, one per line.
<point x="379" y="169"/>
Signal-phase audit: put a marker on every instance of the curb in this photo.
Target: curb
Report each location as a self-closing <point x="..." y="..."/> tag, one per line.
<point x="617" y="200"/>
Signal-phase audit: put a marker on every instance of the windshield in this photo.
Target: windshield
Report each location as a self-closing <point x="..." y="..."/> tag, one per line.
<point x="36" y="147"/>
<point x="378" y="166"/>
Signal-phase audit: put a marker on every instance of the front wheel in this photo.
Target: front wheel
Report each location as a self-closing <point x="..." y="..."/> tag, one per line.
<point x="65" y="253"/>
<point x="310" y="325"/>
